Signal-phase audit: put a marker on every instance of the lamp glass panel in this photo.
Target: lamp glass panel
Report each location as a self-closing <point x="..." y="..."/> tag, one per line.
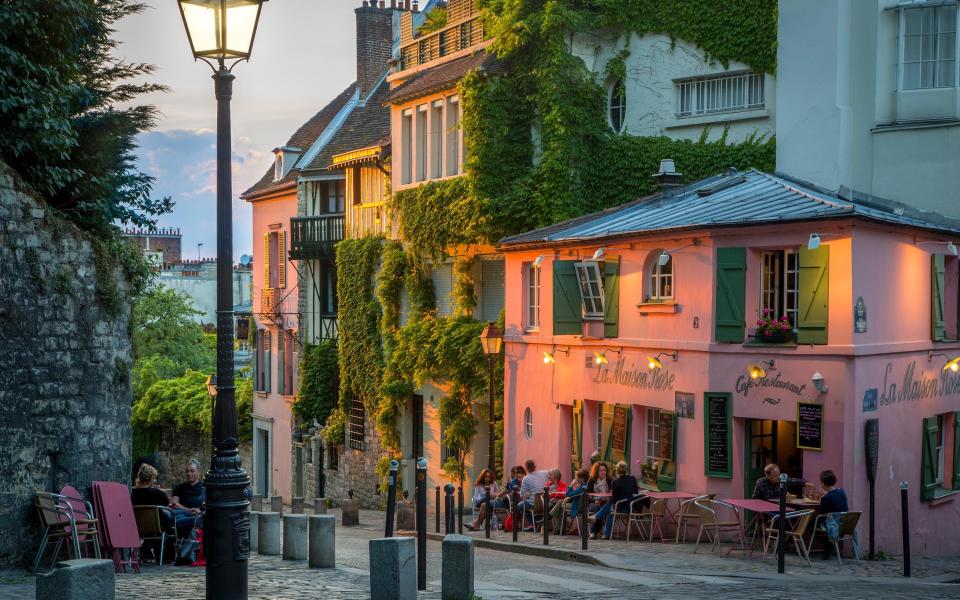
<point x="201" y="18"/>
<point x="241" y="24"/>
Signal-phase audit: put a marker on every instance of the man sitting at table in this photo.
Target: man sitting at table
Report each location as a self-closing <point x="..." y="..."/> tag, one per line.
<point x="532" y="484"/>
<point x="768" y="486"/>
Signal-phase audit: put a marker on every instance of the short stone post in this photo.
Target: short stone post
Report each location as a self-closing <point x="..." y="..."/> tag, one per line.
<point x="82" y="579"/>
<point x="349" y="511"/>
<point x="405" y="518"/>
<point x="276" y="505"/>
<point x="322" y="552"/>
<point x="296" y="505"/>
<point x="294" y="537"/>
<point x="395" y="577"/>
<point x="457" y="576"/>
<point x="319" y="506"/>
<point x="268" y="534"/>
<point x="254" y="531"/>
<point x="256" y="503"/>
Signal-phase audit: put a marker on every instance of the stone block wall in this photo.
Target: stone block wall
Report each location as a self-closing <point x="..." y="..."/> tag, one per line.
<point x="65" y="358"/>
<point x="176" y="447"/>
<point x="356" y="470"/>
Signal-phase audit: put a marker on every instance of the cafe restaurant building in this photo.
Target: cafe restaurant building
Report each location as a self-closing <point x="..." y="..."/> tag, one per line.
<point x="713" y="328"/>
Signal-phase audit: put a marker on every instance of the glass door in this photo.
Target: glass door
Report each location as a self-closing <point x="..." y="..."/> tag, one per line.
<point x="761" y="450"/>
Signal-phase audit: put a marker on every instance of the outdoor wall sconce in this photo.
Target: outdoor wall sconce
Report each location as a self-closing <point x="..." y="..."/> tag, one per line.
<point x="538" y="261"/>
<point x="550" y="358"/>
<point x="599" y="254"/>
<point x="814" y="242"/>
<point x="654" y="364"/>
<point x="953" y="364"/>
<point x="600" y="358"/>
<point x="664" y="257"/>
<point x="818" y="382"/>
<point x="758" y="371"/>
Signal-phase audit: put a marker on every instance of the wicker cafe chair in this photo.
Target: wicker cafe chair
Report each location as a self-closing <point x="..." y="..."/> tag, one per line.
<point x="795" y="529"/>
<point x="848" y="531"/>
<point x="713" y="526"/>
<point x="150" y="527"/>
<point x="656" y="513"/>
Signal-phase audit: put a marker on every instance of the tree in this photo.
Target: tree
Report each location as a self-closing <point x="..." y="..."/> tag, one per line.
<point x="66" y="122"/>
<point x="163" y="326"/>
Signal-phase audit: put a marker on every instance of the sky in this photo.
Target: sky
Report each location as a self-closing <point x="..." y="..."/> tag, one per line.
<point x="303" y="56"/>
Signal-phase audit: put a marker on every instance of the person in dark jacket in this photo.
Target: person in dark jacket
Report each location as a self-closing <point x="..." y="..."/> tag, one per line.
<point x="146" y="493"/>
<point x="834" y="498"/>
<point x="624" y="487"/>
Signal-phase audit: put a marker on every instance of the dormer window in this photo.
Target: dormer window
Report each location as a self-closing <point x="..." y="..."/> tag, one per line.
<point x="278" y="166"/>
<point x="284" y="159"/>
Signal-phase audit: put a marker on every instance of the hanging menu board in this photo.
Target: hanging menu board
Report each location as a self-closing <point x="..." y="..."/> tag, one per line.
<point x="809" y="426"/>
<point x="666" y="435"/>
<point x="718" y="435"/>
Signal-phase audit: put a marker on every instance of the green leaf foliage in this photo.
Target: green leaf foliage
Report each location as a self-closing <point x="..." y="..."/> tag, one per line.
<point x="319" y="368"/>
<point x="163" y="325"/>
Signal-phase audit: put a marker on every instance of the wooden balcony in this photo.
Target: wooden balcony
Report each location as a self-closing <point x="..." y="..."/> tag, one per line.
<point x="314" y="237"/>
<point x="443" y="42"/>
<point x="269" y="301"/>
<point x="368" y="219"/>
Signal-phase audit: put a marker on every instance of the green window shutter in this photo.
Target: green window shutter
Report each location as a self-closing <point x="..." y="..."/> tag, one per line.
<point x="606" y="430"/>
<point x="956" y="450"/>
<point x="577" y="458"/>
<point x="281" y="380"/>
<point x="937" y="325"/>
<point x="567" y="312"/>
<point x="267" y="347"/>
<point x="731" y="294"/>
<point x="611" y="299"/>
<point x="667" y="476"/>
<point x="928" y="475"/>
<point x="813" y="295"/>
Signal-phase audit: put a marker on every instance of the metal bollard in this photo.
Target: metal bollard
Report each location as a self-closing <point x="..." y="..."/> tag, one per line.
<point x="391" y="499"/>
<point x="906" y="528"/>
<point x="546" y="516"/>
<point x="487" y="509"/>
<point x="448" y="508"/>
<point x="460" y="510"/>
<point x="515" y="503"/>
<point x="421" y="523"/>
<point x="583" y="520"/>
<point x="438" y="508"/>
<point x="782" y="525"/>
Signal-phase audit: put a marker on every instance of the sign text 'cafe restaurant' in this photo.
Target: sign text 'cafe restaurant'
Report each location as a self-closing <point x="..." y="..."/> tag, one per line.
<point x="708" y="330"/>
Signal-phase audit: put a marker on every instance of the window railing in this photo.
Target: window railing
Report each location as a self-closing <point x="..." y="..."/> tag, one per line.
<point x="368" y="219"/>
<point x="314" y="237"/>
<point x="713" y="95"/>
<point x="442" y="42"/>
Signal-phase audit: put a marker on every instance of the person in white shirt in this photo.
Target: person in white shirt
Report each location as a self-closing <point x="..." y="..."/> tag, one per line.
<point x="486" y="480"/>
<point x="532" y="485"/>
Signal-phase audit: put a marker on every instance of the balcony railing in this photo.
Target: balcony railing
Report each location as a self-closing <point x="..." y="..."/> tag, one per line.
<point x="314" y="237"/>
<point x="269" y="300"/>
<point x="442" y="42"/>
<point x="368" y="219"/>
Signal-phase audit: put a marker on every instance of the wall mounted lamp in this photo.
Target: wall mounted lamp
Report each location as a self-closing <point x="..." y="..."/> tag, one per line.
<point x="819" y="382"/>
<point x="758" y="371"/>
<point x="600" y="358"/>
<point x="654" y="364"/>
<point x="599" y="253"/>
<point x="538" y="261"/>
<point x="664" y="257"/>
<point x="550" y="357"/>
<point x="953" y="364"/>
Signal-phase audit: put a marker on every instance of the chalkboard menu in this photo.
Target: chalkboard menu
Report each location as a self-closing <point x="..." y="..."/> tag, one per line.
<point x="666" y="435"/>
<point x="809" y="426"/>
<point x="718" y="435"/>
<point x="620" y="429"/>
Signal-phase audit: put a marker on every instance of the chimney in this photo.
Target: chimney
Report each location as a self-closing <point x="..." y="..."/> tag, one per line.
<point x="374" y="44"/>
<point x="668" y="179"/>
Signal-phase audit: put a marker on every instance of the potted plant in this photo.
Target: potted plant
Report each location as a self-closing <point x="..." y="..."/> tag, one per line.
<point x="772" y="330"/>
<point x="648" y="472"/>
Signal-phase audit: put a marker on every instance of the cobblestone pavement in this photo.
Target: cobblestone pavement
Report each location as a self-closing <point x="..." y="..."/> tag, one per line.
<point x="660" y="571"/>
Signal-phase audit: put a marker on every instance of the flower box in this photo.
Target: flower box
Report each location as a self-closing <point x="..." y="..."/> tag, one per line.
<point x="773" y="336"/>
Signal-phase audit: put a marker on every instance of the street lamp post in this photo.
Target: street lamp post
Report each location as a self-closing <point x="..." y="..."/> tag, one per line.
<point x="491" y="338"/>
<point x="220" y="31"/>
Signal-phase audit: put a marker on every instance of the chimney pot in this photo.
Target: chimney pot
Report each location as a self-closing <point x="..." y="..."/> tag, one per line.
<point x="668" y="179"/>
<point x="416" y="6"/>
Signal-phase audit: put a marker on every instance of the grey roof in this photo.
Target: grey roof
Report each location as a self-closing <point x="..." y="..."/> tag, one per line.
<point x="733" y="199"/>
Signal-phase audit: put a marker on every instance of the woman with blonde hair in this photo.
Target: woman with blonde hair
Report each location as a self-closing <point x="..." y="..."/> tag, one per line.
<point x="146" y="493"/>
<point x="485" y="480"/>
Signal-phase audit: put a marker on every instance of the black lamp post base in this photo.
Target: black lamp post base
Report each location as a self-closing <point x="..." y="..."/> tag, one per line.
<point x="226" y="525"/>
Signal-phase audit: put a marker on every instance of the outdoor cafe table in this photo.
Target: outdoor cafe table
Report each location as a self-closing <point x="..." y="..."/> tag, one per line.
<point x="671" y="515"/>
<point x="759" y="508"/>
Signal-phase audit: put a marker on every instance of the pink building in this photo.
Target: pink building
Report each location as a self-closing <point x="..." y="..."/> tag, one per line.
<point x="631" y="333"/>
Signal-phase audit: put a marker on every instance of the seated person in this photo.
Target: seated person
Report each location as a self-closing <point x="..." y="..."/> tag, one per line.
<point x="624" y="487"/>
<point x="187" y="500"/>
<point x="486" y="480"/>
<point x="768" y="486"/>
<point x="146" y="493"/>
<point x="516" y="478"/>
<point x="599" y="483"/>
<point x="533" y="483"/>
<point x="558" y="487"/>
<point x="834" y="498"/>
<point x="576" y="489"/>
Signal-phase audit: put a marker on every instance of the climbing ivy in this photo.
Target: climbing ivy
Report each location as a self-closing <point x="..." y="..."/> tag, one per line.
<point x="464" y="299"/>
<point x="317" y="396"/>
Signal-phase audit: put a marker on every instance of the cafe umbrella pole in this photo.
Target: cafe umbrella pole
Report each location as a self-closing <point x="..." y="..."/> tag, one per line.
<point x="782" y="525"/>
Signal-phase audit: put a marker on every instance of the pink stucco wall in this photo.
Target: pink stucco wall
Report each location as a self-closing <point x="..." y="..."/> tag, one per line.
<point x="886" y="268"/>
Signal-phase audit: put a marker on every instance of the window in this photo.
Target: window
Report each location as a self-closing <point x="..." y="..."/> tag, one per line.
<point x="661" y="276"/>
<point x="653" y="434"/>
<point x="442" y="277"/>
<point x="421" y="166"/>
<point x="779" y="284"/>
<point x="358" y="422"/>
<point x="533" y="296"/>
<point x="492" y="292"/>
<point x="436" y="140"/>
<point x="617" y="105"/>
<point x="928" y="47"/>
<point x="406" y="142"/>
<point x="719" y="94"/>
<point x="333" y="457"/>
<point x="278" y="166"/>
<point x="590" y="280"/>
<point x="528" y="423"/>
<point x="259" y="380"/>
<point x="453" y="135"/>
<point x="288" y="361"/>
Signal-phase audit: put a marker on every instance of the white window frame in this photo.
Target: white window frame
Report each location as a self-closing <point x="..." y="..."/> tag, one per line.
<point x="941" y="446"/>
<point x="737" y="91"/>
<point x="406" y="151"/>
<point x="528" y="423"/>
<point x="657" y="278"/>
<point x="621" y="105"/>
<point x="532" y="296"/>
<point x="452" y="131"/>
<point x="653" y="435"/>
<point x="435" y="127"/>
<point x="902" y="47"/>
<point x="420" y="125"/>
<point x="588" y="273"/>
<point x="775" y="290"/>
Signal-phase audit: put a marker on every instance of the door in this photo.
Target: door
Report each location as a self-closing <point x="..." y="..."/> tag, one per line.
<point x="761" y="450"/>
<point x="576" y="457"/>
<point x="263" y="463"/>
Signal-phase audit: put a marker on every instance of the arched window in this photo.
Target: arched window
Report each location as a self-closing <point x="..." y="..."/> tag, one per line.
<point x="617" y="108"/>
<point x="528" y="423"/>
<point x="659" y="276"/>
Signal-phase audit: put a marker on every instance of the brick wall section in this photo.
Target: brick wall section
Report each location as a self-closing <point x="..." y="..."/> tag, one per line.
<point x="374" y="45"/>
<point x="65" y="397"/>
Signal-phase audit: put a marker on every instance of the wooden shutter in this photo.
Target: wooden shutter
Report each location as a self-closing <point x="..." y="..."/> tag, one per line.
<point x="442" y="277"/>
<point x="281" y="259"/>
<point x="606" y="430"/>
<point x="577" y="454"/>
<point x="731" y="294"/>
<point x="267" y="343"/>
<point x="928" y="466"/>
<point x="611" y="300"/>
<point x="257" y="379"/>
<point x="937" y="323"/>
<point x="567" y="311"/>
<point x="667" y="476"/>
<point x="281" y="356"/>
<point x="491" y="289"/>
<point x="956" y="450"/>
<point x="266" y="261"/>
<point x="813" y="295"/>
